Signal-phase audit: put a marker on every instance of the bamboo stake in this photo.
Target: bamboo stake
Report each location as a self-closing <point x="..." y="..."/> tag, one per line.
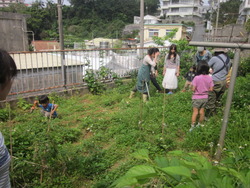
<point x="50" y="116"/>
<point x="163" y="113"/>
<point x="11" y="141"/>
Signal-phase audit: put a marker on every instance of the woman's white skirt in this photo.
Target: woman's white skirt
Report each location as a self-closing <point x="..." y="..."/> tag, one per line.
<point x="170" y="79"/>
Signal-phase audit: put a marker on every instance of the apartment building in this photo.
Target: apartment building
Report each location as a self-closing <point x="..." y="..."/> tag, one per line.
<point x="161" y="30"/>
<point x="244" y="11"/>
<point x="181" y="8"/>
<point x="6" y="3"/>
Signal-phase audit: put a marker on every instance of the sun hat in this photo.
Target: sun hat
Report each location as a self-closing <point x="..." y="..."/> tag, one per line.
<point x="200" y="49"/>
<point x="220" y="50"/>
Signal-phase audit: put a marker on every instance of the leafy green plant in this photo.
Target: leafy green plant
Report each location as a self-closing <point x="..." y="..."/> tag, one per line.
<point x="242" y="95"/>
<point x="190" y="23"/>
<point x="4" y="114"/>
<point x="180" y="169"/>
<point x="90" y="145"/>
<point x="23" y="104"/>
<point x="244" y="67"/>
<point x="169" y="36"/>
<point x="94" y="85"/>
<point x="117" y="79"/>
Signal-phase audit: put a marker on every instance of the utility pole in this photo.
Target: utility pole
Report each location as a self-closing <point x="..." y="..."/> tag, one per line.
<point x="217" y="17"/>
<point x="61" y="40"/>
<point x="141" y="28"/>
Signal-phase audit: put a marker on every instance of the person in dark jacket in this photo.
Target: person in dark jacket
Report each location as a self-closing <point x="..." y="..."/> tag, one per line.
<point x="189" y="78"/>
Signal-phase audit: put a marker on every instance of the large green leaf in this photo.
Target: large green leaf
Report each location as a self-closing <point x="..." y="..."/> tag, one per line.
<point x="177" y="170"/>
<point x="174" y="162"/>
<point x="205" y="164"/>
<point x="125" y="181"/>
<point x="247" y="185"/>
<point x="207" y="176"/>
<point x="177" y="152"/>
<point x="234" y="173"/>
<point x="189" y="164"/>
<point x="141" y="171"/>
<point x="141" y="154"/>
<point x="226" y="182"/>
<point x="186" y="185"/>
<point x="162" y="162"/>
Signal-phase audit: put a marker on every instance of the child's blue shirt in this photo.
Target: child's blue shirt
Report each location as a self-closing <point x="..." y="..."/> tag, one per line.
<point x="49" y="108"/>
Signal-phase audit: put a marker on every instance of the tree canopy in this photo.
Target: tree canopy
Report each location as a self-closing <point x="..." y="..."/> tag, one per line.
<point x="229" y="12"/>
<point x="83" y="18"/>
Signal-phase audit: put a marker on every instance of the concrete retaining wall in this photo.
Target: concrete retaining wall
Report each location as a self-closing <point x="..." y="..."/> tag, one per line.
<point x="13" y="32"/>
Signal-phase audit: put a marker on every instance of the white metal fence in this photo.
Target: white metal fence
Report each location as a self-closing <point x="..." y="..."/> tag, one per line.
<point x="54" y="70"/>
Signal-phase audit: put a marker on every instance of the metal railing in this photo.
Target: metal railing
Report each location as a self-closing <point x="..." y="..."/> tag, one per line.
<point x="211" y="38"/>
<point x="47" y="71"/>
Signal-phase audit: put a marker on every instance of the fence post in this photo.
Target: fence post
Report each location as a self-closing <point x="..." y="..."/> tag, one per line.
<point x="228" y="105"/>
<point x="61" y="37"/>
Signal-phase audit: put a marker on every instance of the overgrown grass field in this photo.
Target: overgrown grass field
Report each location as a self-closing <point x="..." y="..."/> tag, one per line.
<point x="91" y="143"/>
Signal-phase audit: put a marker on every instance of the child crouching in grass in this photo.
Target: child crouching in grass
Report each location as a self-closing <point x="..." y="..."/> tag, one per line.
<point x="201" y="85"/>
<point x="47" y="109"/>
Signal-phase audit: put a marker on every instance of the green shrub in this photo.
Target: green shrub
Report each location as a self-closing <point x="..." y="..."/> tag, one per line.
<point x="244" y="67"/>
<point x="180" y="169"/>
<point x="4" y="114"/>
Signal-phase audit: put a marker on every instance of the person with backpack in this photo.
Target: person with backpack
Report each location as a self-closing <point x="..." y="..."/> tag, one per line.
<point x="220" y="65"/>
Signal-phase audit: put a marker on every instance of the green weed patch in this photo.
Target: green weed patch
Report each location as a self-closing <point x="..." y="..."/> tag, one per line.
<point x="93" y="141"/>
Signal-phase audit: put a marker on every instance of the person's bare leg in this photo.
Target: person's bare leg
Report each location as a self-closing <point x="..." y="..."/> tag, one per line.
<point x="202" y="115"/>
<point x="194" y="115"/>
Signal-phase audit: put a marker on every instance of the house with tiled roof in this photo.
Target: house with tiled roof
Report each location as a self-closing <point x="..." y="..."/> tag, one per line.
<point x="42" y="45"/>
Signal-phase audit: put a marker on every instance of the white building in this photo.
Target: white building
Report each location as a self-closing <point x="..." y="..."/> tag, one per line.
<point x="148" y="19"/>
<point x="6" y="3"/>
<point x="244" y="11"/>
<point x="181" y="8"/>
<point x="216" y="1"/>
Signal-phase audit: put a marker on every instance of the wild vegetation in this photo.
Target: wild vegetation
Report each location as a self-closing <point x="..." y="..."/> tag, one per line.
<point x="88" y="19"/>
<point x="83" y="19"/>
<point x="228" y="14"/>
<point x="108" y="140"/>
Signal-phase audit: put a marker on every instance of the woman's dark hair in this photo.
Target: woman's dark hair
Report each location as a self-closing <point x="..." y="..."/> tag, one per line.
<point x="202" y="68"/>
<point x="8" y="68"/>
<point x="152" y="51"/>
<point x="173" y="46"/>
<point x="43" y="99"/>
<point x="218" y="53"/>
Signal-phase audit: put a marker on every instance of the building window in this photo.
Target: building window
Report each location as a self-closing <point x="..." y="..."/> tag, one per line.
<point x="175" y="1"/>
<point x="153" y="32"/>
<point x="165" y="11"/>
<point x="175" y="10"/>
<point x="168" y="31"/>
<point x="187" y="2"/>
<point x="165" y="3"/>
<point x="186" y="10"/>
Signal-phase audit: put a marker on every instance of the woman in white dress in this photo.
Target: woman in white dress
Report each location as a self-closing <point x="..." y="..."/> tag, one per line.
<point x="171" y="69"/>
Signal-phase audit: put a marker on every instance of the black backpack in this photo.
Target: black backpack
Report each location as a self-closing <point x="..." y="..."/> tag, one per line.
<point x="225" y="64"/>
